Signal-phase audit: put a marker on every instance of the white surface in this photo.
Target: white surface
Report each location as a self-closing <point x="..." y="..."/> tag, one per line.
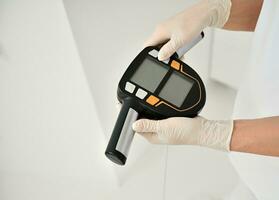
<point x="230" y="56"/>
<point x="52" y="133"/>
<point x="51" y="143"/>
<point x="48" y="143"/>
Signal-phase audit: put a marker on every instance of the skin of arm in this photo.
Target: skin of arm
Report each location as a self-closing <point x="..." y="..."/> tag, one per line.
<point x="258" y="136"/>
<point x="244" y="15"/>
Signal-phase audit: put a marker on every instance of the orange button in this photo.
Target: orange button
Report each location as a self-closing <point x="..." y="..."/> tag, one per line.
<point x="175" y="64"/>
<point x="152" y="100"/>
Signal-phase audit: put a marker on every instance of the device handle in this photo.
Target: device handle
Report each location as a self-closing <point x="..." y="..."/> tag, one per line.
<point x="180" y="52"/>
<point x="123" y="134"/>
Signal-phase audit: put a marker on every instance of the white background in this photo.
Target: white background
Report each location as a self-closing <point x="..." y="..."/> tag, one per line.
<point x="58" y="108"/>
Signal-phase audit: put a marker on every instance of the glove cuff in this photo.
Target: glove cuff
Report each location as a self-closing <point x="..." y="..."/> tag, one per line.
<point x="219" y="12"/>
<point x="216" y="134"/>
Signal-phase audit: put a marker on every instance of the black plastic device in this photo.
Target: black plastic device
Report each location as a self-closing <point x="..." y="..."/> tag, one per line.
<point x="154" y="89"/>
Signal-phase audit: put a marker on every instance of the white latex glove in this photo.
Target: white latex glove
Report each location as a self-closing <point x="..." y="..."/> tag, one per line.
<point x="181" y="130"/>
<point x="186" y="25"/>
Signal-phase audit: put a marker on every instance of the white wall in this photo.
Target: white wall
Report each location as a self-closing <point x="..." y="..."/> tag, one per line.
<point x="51" y="144"/>
<point x="230" y="56"/>
<point x="53" y="122"/>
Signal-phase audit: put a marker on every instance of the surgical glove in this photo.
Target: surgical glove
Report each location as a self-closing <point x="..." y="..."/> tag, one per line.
<point x="188" y="24"/>
<point x="214" y="134"/>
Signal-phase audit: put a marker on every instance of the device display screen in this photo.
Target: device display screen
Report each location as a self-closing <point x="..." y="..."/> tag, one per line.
<point x="149" y="74"/>
<point x="176" y="88"/>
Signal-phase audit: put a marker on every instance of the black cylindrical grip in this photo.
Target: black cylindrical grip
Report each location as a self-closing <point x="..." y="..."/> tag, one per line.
<point x="122" y="135"/>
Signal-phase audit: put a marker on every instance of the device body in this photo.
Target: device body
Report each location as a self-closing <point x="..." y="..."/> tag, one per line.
<point x="153" y="89"/>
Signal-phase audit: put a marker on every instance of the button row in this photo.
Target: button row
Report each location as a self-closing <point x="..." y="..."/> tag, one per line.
<point x="130" y="87"/>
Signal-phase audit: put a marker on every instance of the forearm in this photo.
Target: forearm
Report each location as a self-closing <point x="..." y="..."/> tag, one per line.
<point x="258" y="136"/>
<point x="244" y="15"/>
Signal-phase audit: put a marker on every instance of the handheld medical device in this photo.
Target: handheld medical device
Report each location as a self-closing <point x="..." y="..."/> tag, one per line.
<point x="154" y="89"/>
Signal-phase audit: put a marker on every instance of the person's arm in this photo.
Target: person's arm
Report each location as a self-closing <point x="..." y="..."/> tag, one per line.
<point x="180" y="29"/>
<point x="244" y="15"/>
<point x="258" y="136"/>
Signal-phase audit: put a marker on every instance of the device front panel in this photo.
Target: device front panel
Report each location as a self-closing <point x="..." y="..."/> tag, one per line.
<point x="161" y="84"/>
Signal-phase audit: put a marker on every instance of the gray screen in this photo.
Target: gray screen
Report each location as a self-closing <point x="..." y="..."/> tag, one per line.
<point x="149" y="74"/>
<point x="176" y="88"/>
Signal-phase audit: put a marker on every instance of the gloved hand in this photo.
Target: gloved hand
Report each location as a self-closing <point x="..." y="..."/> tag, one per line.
<point x="181" y="130"/>
<point x="188" y="24"/>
